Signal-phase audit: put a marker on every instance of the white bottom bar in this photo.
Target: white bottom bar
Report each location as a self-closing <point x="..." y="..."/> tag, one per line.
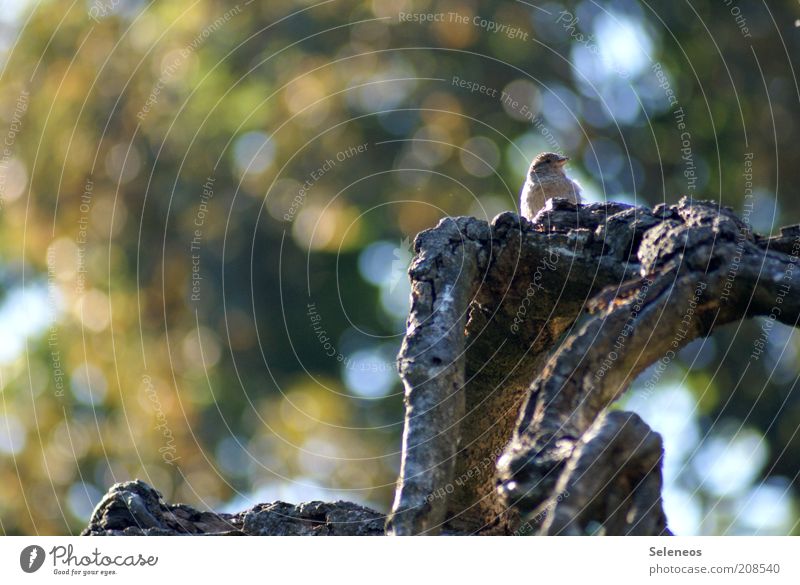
<point x="403" y="561"/>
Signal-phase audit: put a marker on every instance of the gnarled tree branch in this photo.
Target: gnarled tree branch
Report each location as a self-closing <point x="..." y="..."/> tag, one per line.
<point x="650" y="282"/>
<point x="521" y="336"/>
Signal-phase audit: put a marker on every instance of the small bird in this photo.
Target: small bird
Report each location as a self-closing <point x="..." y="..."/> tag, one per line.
<point x="546" y="179"/>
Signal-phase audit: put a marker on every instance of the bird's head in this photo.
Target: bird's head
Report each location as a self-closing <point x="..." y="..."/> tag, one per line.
<point x="548" y="162"/>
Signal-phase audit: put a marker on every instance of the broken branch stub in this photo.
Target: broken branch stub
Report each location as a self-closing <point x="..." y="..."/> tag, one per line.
<point x="624" y="286"/>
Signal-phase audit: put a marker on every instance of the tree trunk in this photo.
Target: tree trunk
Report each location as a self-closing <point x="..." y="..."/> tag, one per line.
<point x="521" y="335"/>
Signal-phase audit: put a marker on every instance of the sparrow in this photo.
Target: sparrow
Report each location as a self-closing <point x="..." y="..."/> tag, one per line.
<point x="546" y="179"/>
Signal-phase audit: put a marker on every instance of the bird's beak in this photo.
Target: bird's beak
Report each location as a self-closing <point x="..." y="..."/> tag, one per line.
<point x="563" y="160"/>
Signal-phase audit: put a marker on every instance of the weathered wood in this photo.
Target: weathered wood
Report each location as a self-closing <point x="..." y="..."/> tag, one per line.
<point x="624" y="285"/>
<point x="133" y="508"/>
<point x="521" y="336"/>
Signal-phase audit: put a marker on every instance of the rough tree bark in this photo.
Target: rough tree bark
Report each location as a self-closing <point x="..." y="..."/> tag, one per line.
<point x="520" y="337"/>
<point x="133" y="508"/>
